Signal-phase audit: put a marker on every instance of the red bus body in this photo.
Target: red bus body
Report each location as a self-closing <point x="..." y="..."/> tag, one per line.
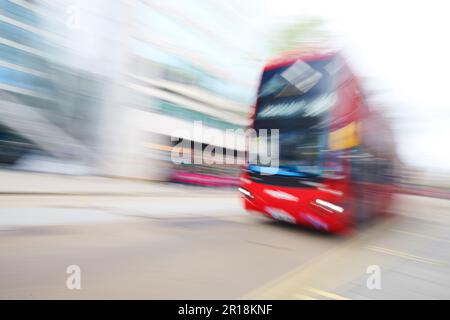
<point x="360" y="136"/>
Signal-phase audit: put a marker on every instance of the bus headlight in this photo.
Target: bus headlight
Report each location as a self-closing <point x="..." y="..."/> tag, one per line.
<point x="245" y="192"/>
<point x="329" y="205"/>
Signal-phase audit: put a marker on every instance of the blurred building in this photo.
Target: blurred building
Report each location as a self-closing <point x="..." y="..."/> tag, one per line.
<point x="100" y="86"/>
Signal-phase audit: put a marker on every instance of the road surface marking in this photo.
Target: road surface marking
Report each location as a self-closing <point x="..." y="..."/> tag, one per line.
<point x="310" y="273"/>
<point x="404" y="255"/>
<point x="421" y="235"/>
<point x="258" y="243"/>
<point x="304" y="297"/>
<point x="327" y="294"/>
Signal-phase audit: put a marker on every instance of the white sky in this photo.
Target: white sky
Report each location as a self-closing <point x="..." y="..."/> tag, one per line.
<point x="405" y="46"/>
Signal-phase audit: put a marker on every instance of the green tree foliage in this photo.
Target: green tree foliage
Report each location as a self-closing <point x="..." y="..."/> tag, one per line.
<point x="304" y="32"/>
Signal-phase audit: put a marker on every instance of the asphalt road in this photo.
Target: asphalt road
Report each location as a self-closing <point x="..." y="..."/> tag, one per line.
<point x="195" y="247"/>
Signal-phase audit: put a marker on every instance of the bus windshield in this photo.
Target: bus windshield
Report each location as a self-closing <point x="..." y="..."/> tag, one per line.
<point x="298" y="90"/>
<point x="296" y="99"/>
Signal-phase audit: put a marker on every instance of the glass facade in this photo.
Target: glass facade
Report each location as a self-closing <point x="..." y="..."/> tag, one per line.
<point x="82" y="80"/>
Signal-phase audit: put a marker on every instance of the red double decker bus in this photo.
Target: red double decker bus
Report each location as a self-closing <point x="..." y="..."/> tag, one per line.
<point x="336" y="154"/>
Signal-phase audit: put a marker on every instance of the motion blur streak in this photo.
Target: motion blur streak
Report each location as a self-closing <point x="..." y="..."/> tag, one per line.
<point x="96" y="94"/>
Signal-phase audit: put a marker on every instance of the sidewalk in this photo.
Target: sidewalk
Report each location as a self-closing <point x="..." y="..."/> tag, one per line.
<point x="30" y="183"/>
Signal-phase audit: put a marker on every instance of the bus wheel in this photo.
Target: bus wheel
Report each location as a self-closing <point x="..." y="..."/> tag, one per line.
<point x="361" y="212"/>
